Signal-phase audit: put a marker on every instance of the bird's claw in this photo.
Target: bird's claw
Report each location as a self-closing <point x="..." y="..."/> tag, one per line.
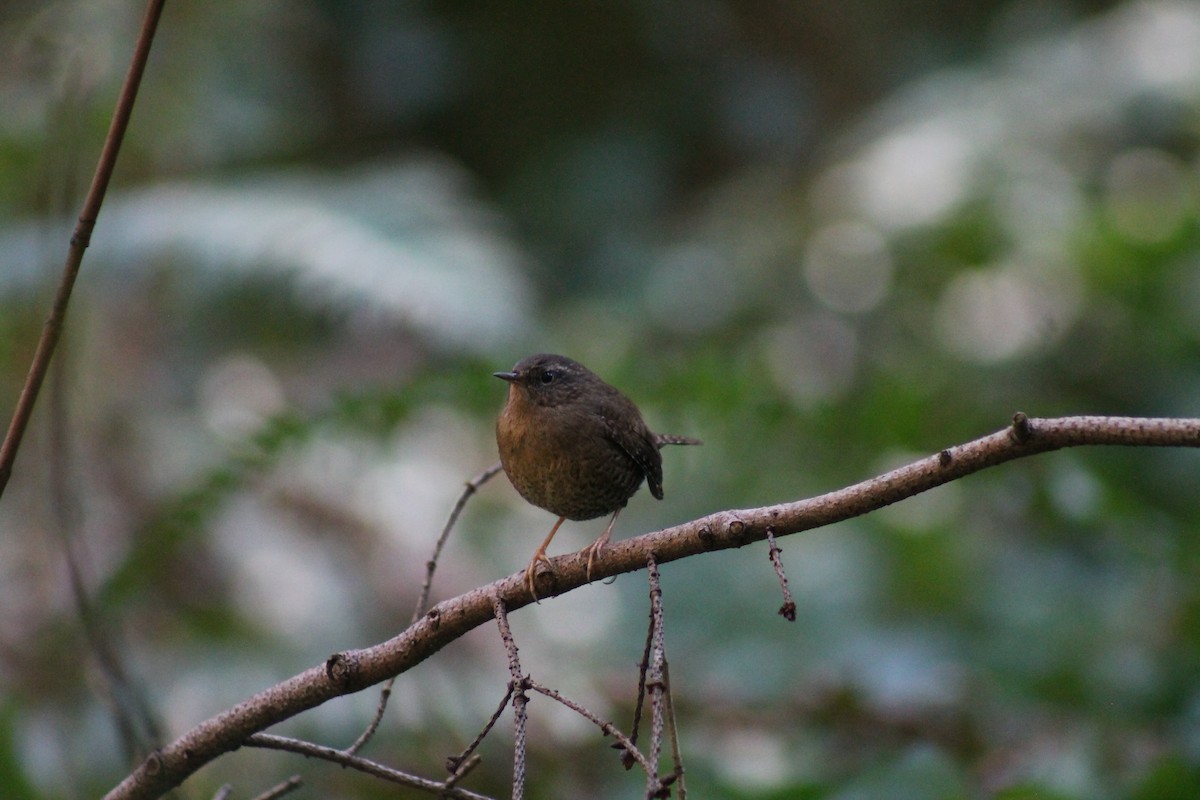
<point x="531" y="573"/>
<point x="594" y="549"/>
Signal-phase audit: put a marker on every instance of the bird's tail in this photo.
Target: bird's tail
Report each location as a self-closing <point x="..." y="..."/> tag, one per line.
<point x="664" y="439"/>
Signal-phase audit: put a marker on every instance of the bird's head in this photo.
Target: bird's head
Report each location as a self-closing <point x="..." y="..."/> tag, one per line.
<point x="549" y="380"/>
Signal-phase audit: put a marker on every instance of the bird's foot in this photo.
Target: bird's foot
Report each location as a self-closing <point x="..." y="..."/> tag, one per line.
<point x="591" y="551"/>
<point x="539" y="558"/>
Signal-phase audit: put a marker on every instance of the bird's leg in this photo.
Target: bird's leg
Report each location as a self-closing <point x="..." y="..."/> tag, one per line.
<point x="540" y="555"/>
<point x="597" y="547"/>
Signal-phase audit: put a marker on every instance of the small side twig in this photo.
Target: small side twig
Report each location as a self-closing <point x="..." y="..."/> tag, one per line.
<point x="385" y="693"/>
<point x="788" y="609"/>
<point x="643" y="667"/>
<point x="607" y="727"/>
<point x="472" y="486"/>
<point x="519" y="699"/>
<point x="454" y="764"/>
<point x="280" y="789"/>
<point x="463" y="770"/>
<point x="276" y="791"/>
<point x="270" y="741"/>
<point x="673" y="732"/>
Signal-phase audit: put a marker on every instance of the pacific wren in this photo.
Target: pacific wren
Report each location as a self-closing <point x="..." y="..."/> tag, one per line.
<point x="575" y="446"/>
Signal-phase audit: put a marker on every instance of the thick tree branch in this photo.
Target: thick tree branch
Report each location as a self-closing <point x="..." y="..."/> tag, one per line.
<point x="354" y="670"/>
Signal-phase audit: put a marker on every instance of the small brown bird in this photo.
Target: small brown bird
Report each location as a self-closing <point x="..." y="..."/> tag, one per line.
<point x="575" y="446"/>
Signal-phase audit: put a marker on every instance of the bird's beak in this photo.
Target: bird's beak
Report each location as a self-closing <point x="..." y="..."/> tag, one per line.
<point x="511" y="377"/>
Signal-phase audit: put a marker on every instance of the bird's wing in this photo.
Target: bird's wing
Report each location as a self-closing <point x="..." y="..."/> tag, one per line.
<point x="627" y="431"/>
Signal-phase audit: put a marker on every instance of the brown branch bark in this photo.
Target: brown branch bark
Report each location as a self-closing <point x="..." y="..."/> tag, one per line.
<point x="354" y="670"/>
<point x="52" y="330"/>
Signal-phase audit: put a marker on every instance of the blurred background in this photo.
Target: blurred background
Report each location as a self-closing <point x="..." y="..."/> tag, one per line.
<point x="827" y="238"/>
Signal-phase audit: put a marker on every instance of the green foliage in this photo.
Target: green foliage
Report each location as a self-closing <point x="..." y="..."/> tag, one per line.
<point x="12" y="774"/>
<point x="1171" y="779"/>
<point x="681" y="197"/>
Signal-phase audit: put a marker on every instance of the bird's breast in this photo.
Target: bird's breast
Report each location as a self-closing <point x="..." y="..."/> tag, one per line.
<point x="560" y="461"/>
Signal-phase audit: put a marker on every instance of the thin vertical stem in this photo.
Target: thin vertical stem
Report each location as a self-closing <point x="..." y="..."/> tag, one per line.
<point x="654" y="681"/>
<point x="82" y="236"/>
<point x="519" y="698"/>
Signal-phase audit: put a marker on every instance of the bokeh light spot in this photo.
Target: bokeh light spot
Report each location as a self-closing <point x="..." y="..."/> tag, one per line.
<point x="989" y="315"/>
<point x="1147" y="194"/>
<point x="848" y="267"/>
<point x="813" y="359"/>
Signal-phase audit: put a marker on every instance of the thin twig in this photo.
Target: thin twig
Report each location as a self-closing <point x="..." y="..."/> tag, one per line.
<point x="385" y="694"/>
<point x="354" y="670"/>
<point x="462" y="770"/>
<point x="643" y="666"/>
<point x="280" y="789"/>
<point x="654" y="681"/>
<point x="224" y="792"/>
<point x="454" y="763"/>
<point x="272" y="742"/>
<point x="519" y="699"/>
<point x="605" y="726"/>
<point x="136" y="722"/>
<point x="788" y="609"/>
<point x="673" y="732"/>
<point x="472" y="486"/>
<point x="52" y="330"/>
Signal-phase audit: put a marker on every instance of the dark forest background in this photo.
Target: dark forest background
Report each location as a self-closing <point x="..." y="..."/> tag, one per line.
<point x="827" y="238"/>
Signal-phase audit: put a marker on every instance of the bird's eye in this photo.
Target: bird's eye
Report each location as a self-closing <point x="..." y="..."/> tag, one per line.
<point x="548" y="376"/>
